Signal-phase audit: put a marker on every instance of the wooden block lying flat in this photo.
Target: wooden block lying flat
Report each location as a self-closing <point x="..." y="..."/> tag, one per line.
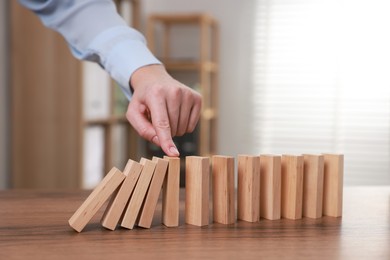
<point x="118" y="203"/>
<point x="171" y="190"/>
<point x="96" y="199"/>
<point x="139" y="194"/>
<point x="223" y="189"/>
<point x="313" y="183"/>
<point x="248" y="188"/>
<point x="197" y="190"/>
<point x="333" y="185"/>
<point x="292" y="186"/>
<point x="270" y="187"/>
<point x="150" y="204"/>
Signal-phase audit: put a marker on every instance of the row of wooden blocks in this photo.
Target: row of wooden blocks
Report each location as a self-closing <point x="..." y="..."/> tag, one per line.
<point x="268" y="186"/>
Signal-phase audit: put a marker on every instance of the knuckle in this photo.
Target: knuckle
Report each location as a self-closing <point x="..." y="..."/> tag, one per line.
<point x="162" y="124"/>
<point x="157" y="90"/>
<point x="143" y="132"/>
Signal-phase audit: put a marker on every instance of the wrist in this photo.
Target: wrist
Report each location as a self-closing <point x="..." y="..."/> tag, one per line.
<point x="147" y="75"/>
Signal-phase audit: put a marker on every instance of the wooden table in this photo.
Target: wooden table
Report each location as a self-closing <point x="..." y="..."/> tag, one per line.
<point x="34" y="225"/>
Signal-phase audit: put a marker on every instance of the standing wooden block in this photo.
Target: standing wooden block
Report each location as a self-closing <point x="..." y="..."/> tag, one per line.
<point x="197" y="190"/>
<point x="270" y="187"/>
<point x="248" y="190"/>
<point x="171" y="190"/>
<point x="150" y="204"/>
<point x="139" y="194"/>
<point x="333" y="184"/>
<point x="118" y="203"/>
<point x="96" y="199"/>
<point x="313" y="183"/>
<point x="223" y="189"/>
<point x="292" y="186"/>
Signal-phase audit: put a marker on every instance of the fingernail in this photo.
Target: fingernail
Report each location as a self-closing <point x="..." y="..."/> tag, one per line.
<point x="155" y="140"/>
<point x="174" y="151"/>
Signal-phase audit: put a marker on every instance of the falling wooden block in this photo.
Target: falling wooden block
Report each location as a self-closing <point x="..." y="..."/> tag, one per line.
<point x="313" y="183"/>
<point x="118" y="203"/>
<point x="292" y="186"/>
<point x="150" y="204"/>
<point x="270" y="187"/>
<point x="248" y="188"/>
<point x="223" y="189"/>
<point x="333" y="185"/>
<point x="138" y="197"/>
<point x="197" y="190"/>
<point x="171" y="190"/>
<point x="96" y="199"/>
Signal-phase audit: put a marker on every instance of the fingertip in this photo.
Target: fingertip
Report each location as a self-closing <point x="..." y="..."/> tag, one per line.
<point x="174" y="152"/>
<point x="171" y="150"/>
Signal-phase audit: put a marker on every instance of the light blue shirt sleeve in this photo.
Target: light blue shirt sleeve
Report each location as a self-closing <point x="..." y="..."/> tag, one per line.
<point x="96" y="32"/>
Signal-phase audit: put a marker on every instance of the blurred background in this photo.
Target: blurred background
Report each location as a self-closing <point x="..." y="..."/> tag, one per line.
<point x="277" y="76"/>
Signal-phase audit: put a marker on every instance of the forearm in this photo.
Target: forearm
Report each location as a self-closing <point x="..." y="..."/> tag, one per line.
<point x="95" y="32"/>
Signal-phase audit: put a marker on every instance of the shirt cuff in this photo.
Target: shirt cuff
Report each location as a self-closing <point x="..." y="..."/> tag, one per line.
<point x="121" y="51"/>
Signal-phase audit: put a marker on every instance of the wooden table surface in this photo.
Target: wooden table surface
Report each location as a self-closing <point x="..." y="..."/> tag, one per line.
<point x="34" y="225"/>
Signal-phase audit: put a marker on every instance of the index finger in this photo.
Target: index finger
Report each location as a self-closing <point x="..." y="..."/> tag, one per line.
<point x="160" y="121"/>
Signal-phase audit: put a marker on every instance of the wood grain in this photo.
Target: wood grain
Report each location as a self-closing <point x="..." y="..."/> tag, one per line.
<point x="362" y="232"/>
<point x="197" y="190"/>
<point x="333" y="184"/>
<point x="96" y="199"/>
<point x="118" y="202"/>
<point x="150" y="204"/>
<point x="270" y="187"/>
<point x="139" y="194"/>
<point x="313" y="185"/>
<point x="171" y="192"/>
<point x="223" y="189"/>
<point x="248" y="188"/>
<point x="292" y="186"/>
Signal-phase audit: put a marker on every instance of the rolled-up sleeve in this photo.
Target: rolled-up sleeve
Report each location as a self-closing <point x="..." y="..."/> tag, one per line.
<point x="95" y="32"/>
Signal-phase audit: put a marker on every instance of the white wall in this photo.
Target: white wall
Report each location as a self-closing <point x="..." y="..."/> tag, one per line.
<point x="4" y="154"/>
<point x="235" y="20"/>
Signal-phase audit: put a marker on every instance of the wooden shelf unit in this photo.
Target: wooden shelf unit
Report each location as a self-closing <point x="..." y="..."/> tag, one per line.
<point x="47" y="107"/>
<point x="206" y="66"/>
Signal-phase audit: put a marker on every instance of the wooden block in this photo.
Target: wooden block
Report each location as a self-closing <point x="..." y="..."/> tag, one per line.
<point x="116" y="207"/>
<point x="139" y="194"/>
<point x="333" y="185"/>
<point x="270" y="187"/>
<point x="313" y="183"/>
<point x="96" y="199"/>
<point x="150" y="204"/>
<point x="292" y="186"/>
<point x="171" y="190"/>
<point x="223" y="189"/>
<point x="248" y="188"/>
<point x="197" y="190"/>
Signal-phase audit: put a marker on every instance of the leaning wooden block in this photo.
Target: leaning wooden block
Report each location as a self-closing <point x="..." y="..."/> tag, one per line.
<point x="223" y="189"/>
<point x="150" y="204"/>
<point x="171" y="190"/>
<point x="248" y="188"/>
<point x="118" y="203"/>
<point x="313" y="183"/>
<point x="292" y="186"/>
<point x="197" y="190"/>
<point x="270" y="187"/>
<point x="333" y="184"/>
<point x="96" y="199"/>
<point x="138" y="197"/>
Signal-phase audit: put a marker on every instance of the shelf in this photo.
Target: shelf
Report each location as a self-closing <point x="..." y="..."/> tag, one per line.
<point x="106" y="121"/>
<point x="203" y="68"/>
<point x="208" y="66"/>
<point x="194" y="18"/>
<point x="209" y="114"/>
